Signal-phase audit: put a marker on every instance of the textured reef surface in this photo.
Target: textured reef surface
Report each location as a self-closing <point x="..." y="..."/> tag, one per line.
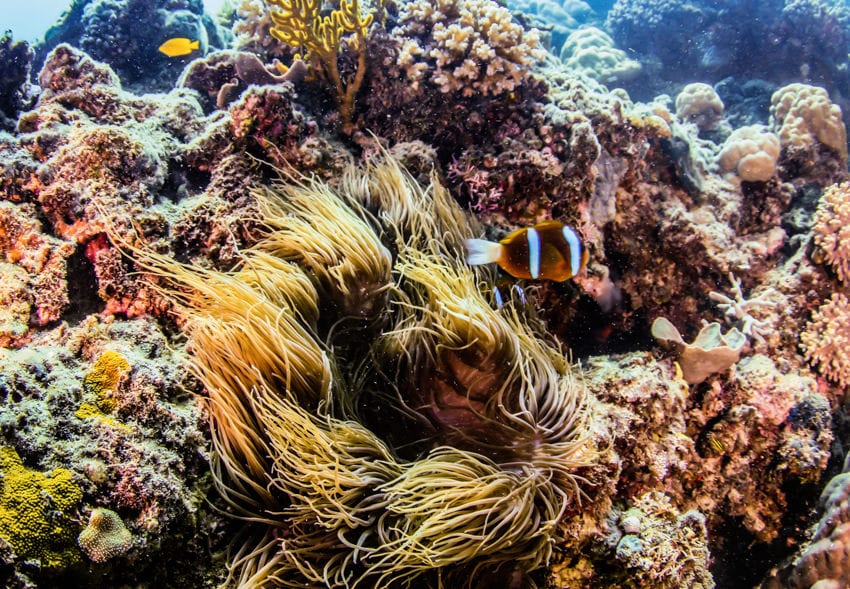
<point x="241" y="345"/>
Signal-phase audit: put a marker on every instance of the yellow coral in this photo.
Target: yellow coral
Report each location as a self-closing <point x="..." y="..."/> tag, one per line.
<point x="35" y="512"/>
<point x="299" y="23"/>
<point x="103" y="379"/>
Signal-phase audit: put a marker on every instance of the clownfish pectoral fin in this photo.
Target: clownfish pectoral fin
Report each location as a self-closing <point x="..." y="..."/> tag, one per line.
<point x="481" y="251"/>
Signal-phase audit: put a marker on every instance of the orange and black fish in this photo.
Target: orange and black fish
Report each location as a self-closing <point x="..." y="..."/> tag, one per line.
<point x="547" y="251"/>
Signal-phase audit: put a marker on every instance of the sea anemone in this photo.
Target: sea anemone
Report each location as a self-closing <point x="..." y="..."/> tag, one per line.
<point x="376" y="421"/>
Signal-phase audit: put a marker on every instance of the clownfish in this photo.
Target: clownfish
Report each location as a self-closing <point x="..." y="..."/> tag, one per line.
<point x="179" y="46"/>
<point x="547" y="251"/>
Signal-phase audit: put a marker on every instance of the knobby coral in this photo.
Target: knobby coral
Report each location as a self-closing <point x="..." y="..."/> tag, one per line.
<point x="374" y="417"/>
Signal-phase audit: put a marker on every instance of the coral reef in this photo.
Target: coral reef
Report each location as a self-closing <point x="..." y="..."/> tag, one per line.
<point x="142" y="456"/>
<point x="109" y="31"/>
<point x="229" y="314"/>
<point x="822" y="562"/>
<point x="15" y="88"/>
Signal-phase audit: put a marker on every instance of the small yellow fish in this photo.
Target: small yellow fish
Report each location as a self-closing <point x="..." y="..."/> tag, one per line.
<point x="179" y="46"/>
<point x="548" y="251"/>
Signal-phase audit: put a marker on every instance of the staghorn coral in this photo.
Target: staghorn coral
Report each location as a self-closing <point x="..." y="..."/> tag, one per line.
<point x="437" y="439"/>
<point x="831" y="229"/>
<point x="826" y="339"/>
<point x="105" y="536"/>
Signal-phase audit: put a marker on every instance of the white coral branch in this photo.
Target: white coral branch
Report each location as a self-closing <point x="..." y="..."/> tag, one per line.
<point x="739" y="309"/>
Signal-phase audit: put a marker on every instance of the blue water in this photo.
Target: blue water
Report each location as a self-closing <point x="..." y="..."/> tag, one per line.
<point x="27" y="24"/>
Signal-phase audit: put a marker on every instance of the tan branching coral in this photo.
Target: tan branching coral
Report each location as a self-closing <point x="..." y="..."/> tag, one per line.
<point x="466" y="46"/>
<point x="831" y="228"/>
<point x="436" y="439"/>
<point x="826" y="339"/>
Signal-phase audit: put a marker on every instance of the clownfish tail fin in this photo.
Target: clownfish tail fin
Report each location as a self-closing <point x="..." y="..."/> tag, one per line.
<point x="481" y="251"/>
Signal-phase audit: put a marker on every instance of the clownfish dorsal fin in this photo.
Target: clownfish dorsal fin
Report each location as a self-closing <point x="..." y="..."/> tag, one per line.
<point x="481" y="251"/>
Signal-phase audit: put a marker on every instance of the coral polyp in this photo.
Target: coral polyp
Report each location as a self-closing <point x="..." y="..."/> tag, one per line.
<point x="447" y="441"/>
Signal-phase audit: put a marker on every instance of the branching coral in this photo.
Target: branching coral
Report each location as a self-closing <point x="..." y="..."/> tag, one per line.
<point x="831" y="228"/>
<point x="738" y="308"/>
<point x="436" y="439"/>
<point x="300" y="23"/>
<point x="466" y="46"/>
<point x="826" y="339"/>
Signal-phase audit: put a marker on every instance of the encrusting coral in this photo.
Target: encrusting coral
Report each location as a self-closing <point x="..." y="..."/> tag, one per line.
<point x="417" y="433"/>
<point x="37" y="511"/>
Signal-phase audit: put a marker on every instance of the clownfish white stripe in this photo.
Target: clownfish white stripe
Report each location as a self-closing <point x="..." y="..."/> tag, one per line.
<point x="533" y="252"/>
<point x="575" y="249"/>
<point x="481" y="251"/>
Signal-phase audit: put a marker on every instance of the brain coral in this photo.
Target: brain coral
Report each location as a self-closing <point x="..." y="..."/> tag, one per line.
<point x="801" y="115"/>
<point x="826" y="339"/>
<point x="751" y="152"/>
<point x="831" y="228"/>
<point x="466" y="46"/>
